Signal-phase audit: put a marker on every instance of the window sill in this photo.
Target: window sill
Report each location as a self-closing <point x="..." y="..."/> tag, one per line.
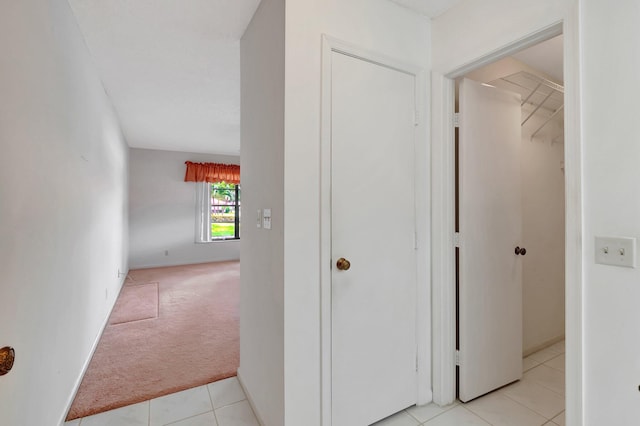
<point x="226" y="240"/>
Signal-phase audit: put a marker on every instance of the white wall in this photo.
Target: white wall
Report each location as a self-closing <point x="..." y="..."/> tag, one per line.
<point x="261" y="270"/>
<point x="610" y="69"/>
<point x="63" y="211"/>
<point x="162" y="211"/>
<point x="378" y="25"/>
<point x="472" y="29"/>
<point x="542" y="235"/>
<point x="542" y="219"/>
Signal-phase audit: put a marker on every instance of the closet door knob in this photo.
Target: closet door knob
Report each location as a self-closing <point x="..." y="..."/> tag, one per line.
<point x="521" y="251"/>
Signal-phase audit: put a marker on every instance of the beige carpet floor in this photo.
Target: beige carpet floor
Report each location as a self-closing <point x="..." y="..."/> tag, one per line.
<point x="171" y="329"/>
<point x="136" y="302"/>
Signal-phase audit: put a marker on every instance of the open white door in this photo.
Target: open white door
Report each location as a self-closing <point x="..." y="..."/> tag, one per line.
<point x="490" y="272"/>
<point x="373" y="302"/>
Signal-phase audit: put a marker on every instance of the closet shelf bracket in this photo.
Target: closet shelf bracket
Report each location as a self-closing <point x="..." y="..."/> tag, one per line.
<point x="547" y="121"/>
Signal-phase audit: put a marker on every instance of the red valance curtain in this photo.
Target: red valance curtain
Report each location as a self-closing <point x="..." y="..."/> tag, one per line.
<point x="212" y="172"/>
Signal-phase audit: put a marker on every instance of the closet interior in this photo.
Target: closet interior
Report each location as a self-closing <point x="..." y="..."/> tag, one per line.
<point x="536" y="78"/>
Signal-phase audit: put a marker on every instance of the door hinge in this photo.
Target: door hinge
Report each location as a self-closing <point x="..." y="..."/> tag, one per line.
<point x="456" y="119"/>
<point x="457" y="357"/>
<point x="456" y="239"/>
<point x="416" y="359"/>
<point x="416" y="117"/>
<point x="415" y="241"/>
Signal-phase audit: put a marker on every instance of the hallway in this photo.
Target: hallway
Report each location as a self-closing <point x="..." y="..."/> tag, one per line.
<point x="536" y="400"/>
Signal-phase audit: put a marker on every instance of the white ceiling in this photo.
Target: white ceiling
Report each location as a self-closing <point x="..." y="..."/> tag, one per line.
<point x="430" y="8"/>
<point x="171" y="68"/>
<point x="545" y="57"/>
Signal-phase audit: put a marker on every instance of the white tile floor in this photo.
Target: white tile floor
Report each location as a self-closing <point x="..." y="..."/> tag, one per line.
<point x="221" y="403"/>
<point x="536" y="400"/>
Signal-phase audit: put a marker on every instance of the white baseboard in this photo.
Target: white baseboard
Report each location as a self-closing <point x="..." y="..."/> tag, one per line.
<point x="250" y="399"/>
<point x="93" y="349"/>
<point x="181" y="263"/>
<point x="541" y="346"/>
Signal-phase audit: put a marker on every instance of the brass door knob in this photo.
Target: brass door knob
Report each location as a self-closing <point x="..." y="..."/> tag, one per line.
<point x="343" y="264"/>
<point x="7" y="355"/>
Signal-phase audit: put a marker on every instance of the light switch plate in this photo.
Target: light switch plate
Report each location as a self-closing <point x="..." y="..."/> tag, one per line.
<point x="266" y="218"/>
<point x="616" y="251"/>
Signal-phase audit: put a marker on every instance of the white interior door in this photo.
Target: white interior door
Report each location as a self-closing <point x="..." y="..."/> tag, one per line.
<point x="490" y="273"/>
<point x="373" y="303"/>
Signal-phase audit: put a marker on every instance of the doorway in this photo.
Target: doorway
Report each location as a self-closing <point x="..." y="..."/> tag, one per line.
<point x="509" y="216"/>
<point x="443" y="195"/>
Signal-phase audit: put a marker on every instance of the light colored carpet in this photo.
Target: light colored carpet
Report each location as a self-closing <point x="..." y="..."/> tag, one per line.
<point x="193" y="340"/>
<point x="136" y="302"/>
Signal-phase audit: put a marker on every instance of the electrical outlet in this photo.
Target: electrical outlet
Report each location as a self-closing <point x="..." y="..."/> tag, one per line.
<point x="616" y="251"/>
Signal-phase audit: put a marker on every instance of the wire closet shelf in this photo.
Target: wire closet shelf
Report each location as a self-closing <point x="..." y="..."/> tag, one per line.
<point x="539" y="96"/>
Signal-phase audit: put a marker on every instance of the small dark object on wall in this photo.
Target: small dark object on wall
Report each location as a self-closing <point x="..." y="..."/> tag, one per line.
<point x="7" y="356"/>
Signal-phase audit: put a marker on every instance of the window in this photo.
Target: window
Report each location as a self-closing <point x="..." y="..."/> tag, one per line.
<point x="217" y="212"/>
<point x="225" y="211"/>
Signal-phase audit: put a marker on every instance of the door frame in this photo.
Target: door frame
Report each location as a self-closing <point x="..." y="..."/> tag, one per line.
<point x="422" y="214"/>
<point x="443" y="205"/>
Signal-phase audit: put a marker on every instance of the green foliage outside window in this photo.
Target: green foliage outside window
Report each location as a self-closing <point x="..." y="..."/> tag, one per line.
<point x="225" y="211"/>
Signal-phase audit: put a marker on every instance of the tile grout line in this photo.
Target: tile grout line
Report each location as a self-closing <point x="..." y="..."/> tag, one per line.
<point x="551" y="390"/>
<point x="213" y="406"/>
<point x="234" y="403"/>
<point x="548" y="388"/>
<point x="412" y="417"/>
<point x="558" y="424"/>
<point x="533" y="366"/>
<point x="557" y="369"/>
<point x="405" y="411"/>
<point x="454" y="405"/>
<point x="548" y="419"/>
<point x="451" y="407"/>
<point x="528" y="408"/>
<point x="477" y="415"/>
<point x="191" y="417"/>
<point x="184" y="418"/>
